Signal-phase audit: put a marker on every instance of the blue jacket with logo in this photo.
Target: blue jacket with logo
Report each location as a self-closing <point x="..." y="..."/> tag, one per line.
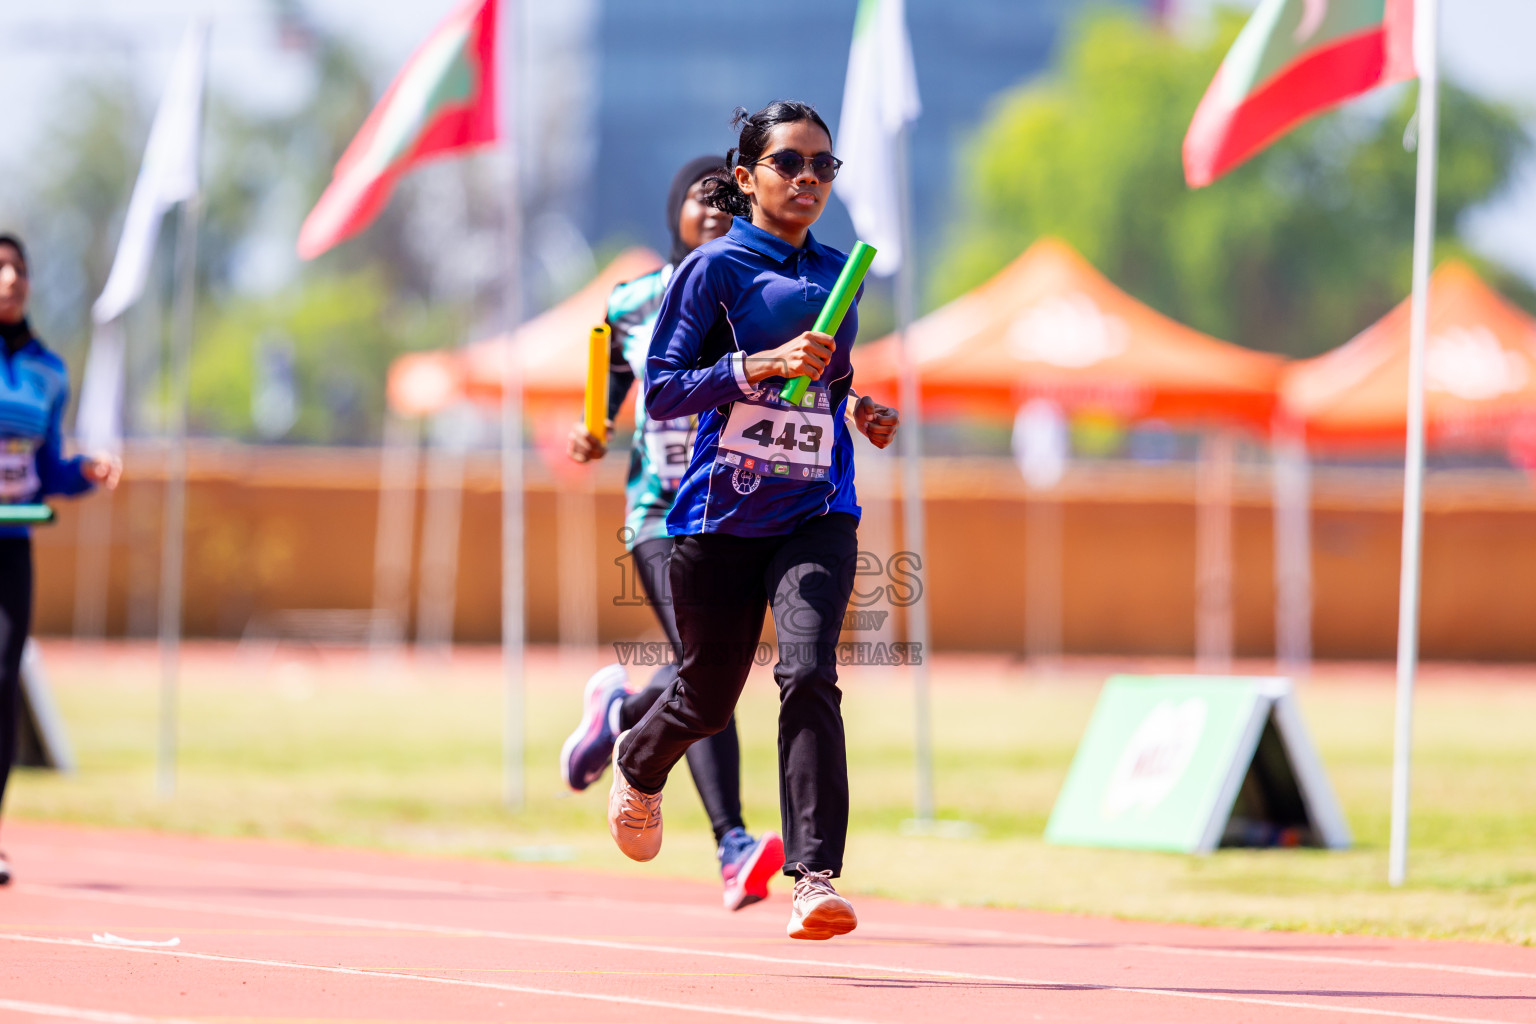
<point x="34" y="389"/>
<point x="743" y="293"/>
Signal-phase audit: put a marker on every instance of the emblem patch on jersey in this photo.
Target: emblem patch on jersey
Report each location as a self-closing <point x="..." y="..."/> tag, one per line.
<point x="743" y="481"/>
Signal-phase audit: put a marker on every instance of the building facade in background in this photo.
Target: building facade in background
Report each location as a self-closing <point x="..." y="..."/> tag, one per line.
<point x="669" y="73"/>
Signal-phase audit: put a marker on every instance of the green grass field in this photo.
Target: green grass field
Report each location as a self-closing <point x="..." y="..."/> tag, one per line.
<point x="326" y="748"/>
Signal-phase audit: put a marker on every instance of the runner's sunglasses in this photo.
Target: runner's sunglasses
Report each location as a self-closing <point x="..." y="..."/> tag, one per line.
<point x="789" y="163"/>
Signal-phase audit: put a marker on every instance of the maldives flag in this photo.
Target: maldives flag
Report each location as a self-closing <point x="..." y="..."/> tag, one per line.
<point x="1293" y="59"/>
<point x="443" y="102"/>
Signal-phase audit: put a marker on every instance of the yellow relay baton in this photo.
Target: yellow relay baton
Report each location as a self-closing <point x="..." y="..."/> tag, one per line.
<point x="597" y="382"/>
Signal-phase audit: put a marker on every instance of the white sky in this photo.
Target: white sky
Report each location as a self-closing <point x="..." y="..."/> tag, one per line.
<point x="1486" y="44"/>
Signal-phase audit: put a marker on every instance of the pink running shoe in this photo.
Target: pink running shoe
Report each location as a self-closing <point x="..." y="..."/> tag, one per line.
<point x="584" y="757"/>
<point x="747" y="864"/>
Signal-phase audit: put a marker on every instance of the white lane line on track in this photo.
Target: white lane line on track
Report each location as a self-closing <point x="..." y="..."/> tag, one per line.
<point x="637" y="947"/>
<point x="76" y="1013"/>
<point x="776" y="1016"/>
<point x="1233" y="954"/>
<point x="407" y="883"/>
<point x="527" y="990"/>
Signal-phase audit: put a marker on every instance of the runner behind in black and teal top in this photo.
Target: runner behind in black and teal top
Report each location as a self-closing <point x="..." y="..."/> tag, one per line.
<point x="661" y="449"/>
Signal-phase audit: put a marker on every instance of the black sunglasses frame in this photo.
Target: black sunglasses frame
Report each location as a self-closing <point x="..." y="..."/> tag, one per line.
<point x="789" y="156"/>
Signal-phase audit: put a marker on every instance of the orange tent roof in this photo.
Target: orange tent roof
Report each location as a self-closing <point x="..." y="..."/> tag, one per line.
<point x="1480" y="371"/>
<point x="551" y="351"/>
<point x="1051" y="325"/>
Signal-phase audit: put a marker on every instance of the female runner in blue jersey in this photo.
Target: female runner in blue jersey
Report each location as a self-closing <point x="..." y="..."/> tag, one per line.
<point x="34" y="388"/>
<point x="766" y="514"/>
<point x="659" y="456"/>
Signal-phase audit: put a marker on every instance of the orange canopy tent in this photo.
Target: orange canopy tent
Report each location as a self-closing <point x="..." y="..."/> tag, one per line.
<point x="550" y="352"/>
<point x="1050" y="325"/>
<point x="1480" y="373"/>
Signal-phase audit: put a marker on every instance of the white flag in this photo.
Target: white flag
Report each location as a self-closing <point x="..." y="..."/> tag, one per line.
<point x="99" y="416"/>
<point x="879" y="99"/>
<point x="169" y="175"/>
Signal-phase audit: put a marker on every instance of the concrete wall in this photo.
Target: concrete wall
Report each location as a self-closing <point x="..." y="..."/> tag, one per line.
<point x="272" y="530"/>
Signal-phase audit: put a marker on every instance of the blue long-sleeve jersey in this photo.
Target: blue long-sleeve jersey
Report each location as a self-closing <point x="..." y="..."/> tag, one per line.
<point x="760" y="467"/>
<point x="34" y="389"/>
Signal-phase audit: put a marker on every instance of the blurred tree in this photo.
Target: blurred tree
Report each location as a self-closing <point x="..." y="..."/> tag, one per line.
<point x="68" y="202"/>
<point x="1293" y="252"/>
<point x="341" y="330"/>
<point x="346" y="314"/>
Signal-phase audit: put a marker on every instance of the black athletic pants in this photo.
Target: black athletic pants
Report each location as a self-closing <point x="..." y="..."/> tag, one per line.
<point x="721" y="588"/>
<point x="15" y="622"/>
<point x="714" y="761"/>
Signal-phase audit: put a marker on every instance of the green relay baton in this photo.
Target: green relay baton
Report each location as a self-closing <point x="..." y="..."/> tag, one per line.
<point x="25" y="515"/>
<point x="831" y="316"/>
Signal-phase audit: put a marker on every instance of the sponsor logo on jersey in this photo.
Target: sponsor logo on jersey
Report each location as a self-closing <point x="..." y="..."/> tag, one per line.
<point x="744" y="482"/>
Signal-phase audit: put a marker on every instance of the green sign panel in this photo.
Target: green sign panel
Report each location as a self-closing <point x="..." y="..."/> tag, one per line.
<point x="1188" y="763"/>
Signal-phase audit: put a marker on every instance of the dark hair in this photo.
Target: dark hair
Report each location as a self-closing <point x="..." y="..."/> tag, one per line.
<point x="15" y="243"/>
<point x="723" y="193"/>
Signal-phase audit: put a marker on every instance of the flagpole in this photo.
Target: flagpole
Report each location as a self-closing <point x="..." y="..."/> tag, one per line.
<point x="1426" y="57"/>
<point x="394" y="536"/>
<point x="173" y="539"/>
<point x="513" y="585"/>
<point x="914" y="525"/>
<point x="1291" y="488"/>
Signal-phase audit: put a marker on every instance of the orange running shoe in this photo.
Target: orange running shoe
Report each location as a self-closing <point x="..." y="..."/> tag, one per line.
<point x="634" y="818"/>
<point x="816" y="910"/>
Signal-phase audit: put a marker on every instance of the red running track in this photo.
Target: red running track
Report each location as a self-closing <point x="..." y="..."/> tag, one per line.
<point x="275" y="932"/>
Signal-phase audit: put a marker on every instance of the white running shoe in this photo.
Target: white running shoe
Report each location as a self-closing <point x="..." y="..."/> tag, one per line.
<point x="5" y="870"/>
<point x="816" y="910"/>
<point x="634" y="818"/>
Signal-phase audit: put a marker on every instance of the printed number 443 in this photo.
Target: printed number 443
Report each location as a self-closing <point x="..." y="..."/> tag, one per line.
<point x="808" y="438"/>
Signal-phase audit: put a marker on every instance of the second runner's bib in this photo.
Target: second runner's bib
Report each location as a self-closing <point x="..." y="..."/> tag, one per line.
<point x="669" y="446"/>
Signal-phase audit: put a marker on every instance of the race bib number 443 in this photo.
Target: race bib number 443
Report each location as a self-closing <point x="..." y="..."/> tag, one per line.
<point x="767" y="436"/>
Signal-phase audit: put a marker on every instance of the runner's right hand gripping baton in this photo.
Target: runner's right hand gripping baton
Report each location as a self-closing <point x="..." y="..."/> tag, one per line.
<point x="831" y="316"/>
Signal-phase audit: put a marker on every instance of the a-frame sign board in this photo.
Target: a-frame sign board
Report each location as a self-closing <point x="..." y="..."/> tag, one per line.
<point x="40" y="738"/>
<point x="1190" y="763"/>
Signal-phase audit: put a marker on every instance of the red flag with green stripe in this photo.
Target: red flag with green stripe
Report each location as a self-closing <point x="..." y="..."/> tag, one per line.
<point x="442" y="103"/>
<point x="1293" y="59"/>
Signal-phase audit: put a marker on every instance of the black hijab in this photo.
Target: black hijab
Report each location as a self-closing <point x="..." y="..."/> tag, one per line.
<point x="694" y="171"/>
